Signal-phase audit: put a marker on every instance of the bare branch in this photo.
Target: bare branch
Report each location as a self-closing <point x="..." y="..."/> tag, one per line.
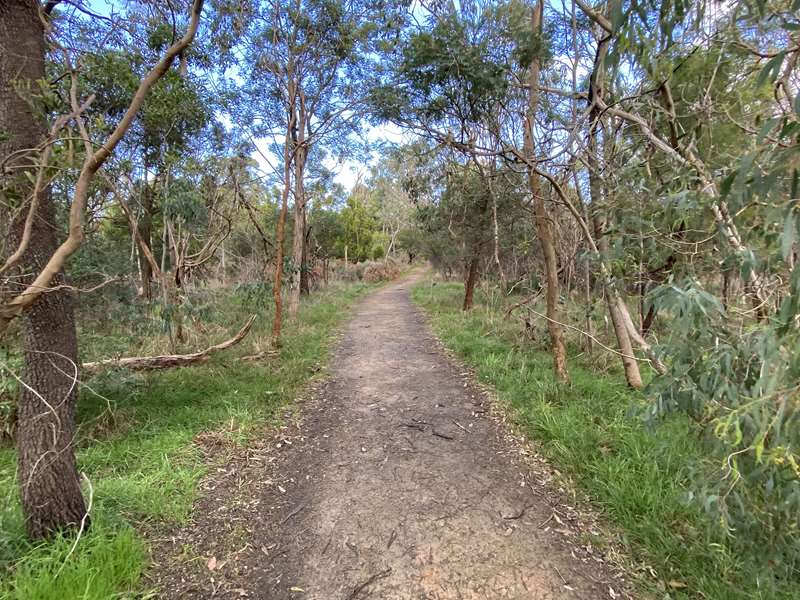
<point x="145" y="363"/>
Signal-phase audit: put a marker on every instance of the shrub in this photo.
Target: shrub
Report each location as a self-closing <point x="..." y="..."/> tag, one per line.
<point x="381" y="271"/>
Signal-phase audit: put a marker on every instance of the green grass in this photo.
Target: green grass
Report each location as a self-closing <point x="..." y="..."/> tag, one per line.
<point x="136" y="446"/>
<point x="636" y="475"/>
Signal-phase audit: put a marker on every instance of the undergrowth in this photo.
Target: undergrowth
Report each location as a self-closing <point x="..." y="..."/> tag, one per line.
<point x="136" y="438"/>
<point x="637" y="474"/>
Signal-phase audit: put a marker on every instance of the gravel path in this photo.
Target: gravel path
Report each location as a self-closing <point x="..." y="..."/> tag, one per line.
<point x="398" y="485"/>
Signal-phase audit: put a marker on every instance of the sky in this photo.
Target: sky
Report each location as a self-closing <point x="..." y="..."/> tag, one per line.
<point x="346" y="173"/>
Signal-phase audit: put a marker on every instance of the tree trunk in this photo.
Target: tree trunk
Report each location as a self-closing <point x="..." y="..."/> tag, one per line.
<point x="542" y="222"/>
<point x="305" y="280"/>
<point x="614" y="303"/>
<point x="587" y="282"/>
<point x="496" y="231"/>
<point x="280" y="229"/>
<point x="299" y="239"/>
<point x="471" y="277"/>
<point x="726" y="288"/>
<point x="145" y="224"/>
<point x="617" y="309"/>
<point x="50" y="486"/>
<point x="629" y="364"/>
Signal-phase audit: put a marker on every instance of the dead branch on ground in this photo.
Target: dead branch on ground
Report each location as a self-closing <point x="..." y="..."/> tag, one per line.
<point x="166" y="361"/>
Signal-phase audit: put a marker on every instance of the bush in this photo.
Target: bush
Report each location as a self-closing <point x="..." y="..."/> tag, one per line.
<point x="381" y="271"/>
<point x="648" y="481"/>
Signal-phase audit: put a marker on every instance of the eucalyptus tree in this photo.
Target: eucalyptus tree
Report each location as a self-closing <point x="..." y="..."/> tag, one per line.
<point x="703" y="99"/>
<point x="307" y="60"/>
<point x="394" y="204"/>
<point x="175" y="118"/>
<point x="468" y="76"/>
<point x="33" y="122"/>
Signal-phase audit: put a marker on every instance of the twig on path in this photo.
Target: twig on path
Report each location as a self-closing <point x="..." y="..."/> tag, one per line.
<point x="391" y="538"/>
<point x="442" y="435"/>
<point x="360" y="588"/>
<point x="546" y="521"/>
<point x="460" y="426"/>
<point x="521" y="513"/>
<point x="416" y="426"/>
<point x="560" y="575"/>
<point x="296" y="510"/>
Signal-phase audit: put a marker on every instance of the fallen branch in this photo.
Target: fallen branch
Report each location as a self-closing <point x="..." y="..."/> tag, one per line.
<point x="144" y="363"/>
<point x="527" y="300"/>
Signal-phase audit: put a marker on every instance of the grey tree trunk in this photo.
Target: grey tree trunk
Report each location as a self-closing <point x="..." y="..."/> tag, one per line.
<point x="146" y="232"/>
<point x="299" y="239"/>
<point x="50" y="486"/>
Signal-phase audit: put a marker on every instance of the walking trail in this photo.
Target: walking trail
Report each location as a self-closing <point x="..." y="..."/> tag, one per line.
<point x="397" y="484"/>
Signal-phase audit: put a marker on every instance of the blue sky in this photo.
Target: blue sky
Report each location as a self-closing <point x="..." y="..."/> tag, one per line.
<point x="347" y="172"/>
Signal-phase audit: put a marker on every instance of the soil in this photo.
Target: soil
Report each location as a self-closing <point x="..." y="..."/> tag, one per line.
<point x="397" y="481"/>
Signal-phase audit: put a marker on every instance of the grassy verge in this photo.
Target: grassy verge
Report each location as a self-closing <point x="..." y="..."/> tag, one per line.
<point x="637" y="476"/>
<point x="136" y="446"/>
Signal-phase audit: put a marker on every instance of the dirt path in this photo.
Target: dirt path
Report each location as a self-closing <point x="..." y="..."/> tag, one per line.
<point x="397" y="485"/>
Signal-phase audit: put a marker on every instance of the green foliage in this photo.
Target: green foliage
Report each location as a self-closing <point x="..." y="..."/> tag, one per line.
<point x="108" y="561"/>
<point x="454" y="71"/>
<point x="359" y="225"/>
<point x="741" y="387"/>
<point x="137" y="446"/>
<point x="9" y="388"/>
<point x="638" y="476"/>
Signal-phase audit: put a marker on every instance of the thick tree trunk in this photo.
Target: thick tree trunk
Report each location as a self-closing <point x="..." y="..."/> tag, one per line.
<point x="471" y="277"/>
<point x="541" y="219"/>
<point x="50" y="486"/>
